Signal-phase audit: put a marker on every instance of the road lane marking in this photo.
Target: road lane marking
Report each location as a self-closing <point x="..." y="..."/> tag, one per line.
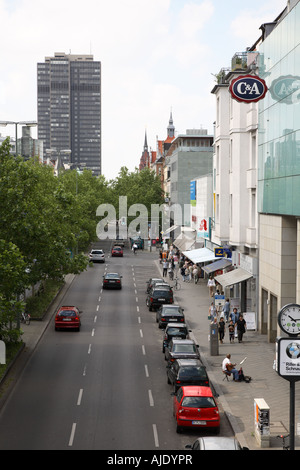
<point x="137" y="309"/>
<point x="155" y="435"/>
<point x="141" y="333"/>
<point x="143" y="350"/>
<point x="139" y="320"/>
<point x="151" y="401"/>
<point x="93" y="332"/>
<point x="90" y="349"/>
<point x="97" y="309"/>
<point x="137" y="299"/>
<point x="146" y="370"/>
<point x="84" y="370"/>
<point x="80" y="397"/>
<point x="72" y="435"/>
<point x="99" y="300"/>
<point x="95" y="319"/>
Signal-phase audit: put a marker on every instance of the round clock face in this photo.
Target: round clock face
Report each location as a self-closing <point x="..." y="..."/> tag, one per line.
<point x="289" y="319"/>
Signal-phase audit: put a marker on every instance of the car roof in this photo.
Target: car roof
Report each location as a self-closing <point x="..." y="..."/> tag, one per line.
<point x="189" y="362"/>
<point x="218" y="443"/>
<point x="196" y="391"/>
<point x="183" y="341"/>
<point x="111" y="274"/>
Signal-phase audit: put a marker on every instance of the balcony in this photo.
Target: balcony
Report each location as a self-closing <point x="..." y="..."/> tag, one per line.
<point x="239" y="61"/>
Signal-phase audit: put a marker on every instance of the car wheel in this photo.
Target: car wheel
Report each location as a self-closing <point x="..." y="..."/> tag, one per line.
<point x="178" y="429"/>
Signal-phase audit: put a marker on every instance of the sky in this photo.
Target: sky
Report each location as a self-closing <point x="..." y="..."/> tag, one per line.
<point x="156" y="56"/>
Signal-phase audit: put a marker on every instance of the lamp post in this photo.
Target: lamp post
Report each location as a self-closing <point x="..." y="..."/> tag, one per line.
<point x="16" y="123"/>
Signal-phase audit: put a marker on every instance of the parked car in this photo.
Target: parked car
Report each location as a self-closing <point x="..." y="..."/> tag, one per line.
<point x="216" y="443"/>
<point x="159" y="296"/>
<point x="175" y="331"/>
<point x="181" y="349"/>
<point x="187" y="372"/>
<point x="97" y="256"/>
<point x="152" y="281"/>
<point x="112" y="281"/>
<point x="169" y="313"/>
<point x="195" y="407"/>
<point x="117" y="251"/>
<point x="68" y="318"/>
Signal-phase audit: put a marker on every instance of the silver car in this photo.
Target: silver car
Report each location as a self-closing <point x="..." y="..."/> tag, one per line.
<point x="97" y="256"/>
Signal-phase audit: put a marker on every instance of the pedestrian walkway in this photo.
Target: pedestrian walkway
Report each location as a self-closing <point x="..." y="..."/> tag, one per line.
<point x="237" y="399"/>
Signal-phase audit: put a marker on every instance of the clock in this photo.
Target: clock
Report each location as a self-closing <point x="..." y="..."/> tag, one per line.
<point x="289" y="319"/>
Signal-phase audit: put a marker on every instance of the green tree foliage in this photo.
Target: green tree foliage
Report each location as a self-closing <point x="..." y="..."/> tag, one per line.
<point x="46" y="222"/>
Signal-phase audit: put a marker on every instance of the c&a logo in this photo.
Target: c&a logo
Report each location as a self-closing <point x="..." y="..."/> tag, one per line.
<point x="248" y="89"/>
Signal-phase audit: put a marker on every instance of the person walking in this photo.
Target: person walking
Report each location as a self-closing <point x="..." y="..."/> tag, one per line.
<point x="221" y="329"/>
<point x="241" y="328"/>
<point x="226" y="309"/>
<point x="165" y="267"/>
<point x="231" y="331"/>
<point x="212" y="312"/>
<point x="211" y="286"/>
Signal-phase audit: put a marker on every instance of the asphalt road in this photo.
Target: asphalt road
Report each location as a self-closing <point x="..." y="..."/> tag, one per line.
<point x="104" y="387"/>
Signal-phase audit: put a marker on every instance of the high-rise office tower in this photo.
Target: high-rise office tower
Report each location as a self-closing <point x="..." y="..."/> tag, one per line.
<point x="69" y="109"/>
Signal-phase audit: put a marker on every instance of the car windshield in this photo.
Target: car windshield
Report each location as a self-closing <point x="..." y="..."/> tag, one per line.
<point x="198" y="402"/>
<point x="176" y="331"/>
<point x="170" y="311"/>
<point x="192" y="371"/>
<point x="111" y="276"/>
<point x="185" y="348"/>
<point x="160" y="293"/>
<point x="67" y="313"/>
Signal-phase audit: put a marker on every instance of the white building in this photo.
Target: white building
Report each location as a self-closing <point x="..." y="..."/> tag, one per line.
<point x="235" y="181"/>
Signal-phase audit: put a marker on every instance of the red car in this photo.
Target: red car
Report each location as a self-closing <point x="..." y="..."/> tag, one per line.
<point x="117" y="251"/>
<point x="67" y="318"/>
<point x="195" y="407"/>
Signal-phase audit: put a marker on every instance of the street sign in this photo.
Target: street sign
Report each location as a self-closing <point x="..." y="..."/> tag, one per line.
<point x="219" y="252"/>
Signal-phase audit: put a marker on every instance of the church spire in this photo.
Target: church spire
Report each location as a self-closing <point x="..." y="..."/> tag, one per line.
<point x="171" y="127"/>
<point x="146" y="143"/>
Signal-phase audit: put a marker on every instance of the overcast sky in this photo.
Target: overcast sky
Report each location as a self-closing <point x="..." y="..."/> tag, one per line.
<point x="156" y="55"/>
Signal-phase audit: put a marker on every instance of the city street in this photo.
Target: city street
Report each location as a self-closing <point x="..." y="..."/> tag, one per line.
<point x="106" y="386"/>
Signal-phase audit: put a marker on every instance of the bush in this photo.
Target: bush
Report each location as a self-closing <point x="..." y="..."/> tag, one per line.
<point x="37" y="305"/>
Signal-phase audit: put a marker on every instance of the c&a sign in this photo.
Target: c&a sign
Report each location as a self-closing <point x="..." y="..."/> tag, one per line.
<point x="248" y="89"/>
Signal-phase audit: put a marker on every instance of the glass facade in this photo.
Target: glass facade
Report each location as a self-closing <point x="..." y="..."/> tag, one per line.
<point x="279" y="119"/>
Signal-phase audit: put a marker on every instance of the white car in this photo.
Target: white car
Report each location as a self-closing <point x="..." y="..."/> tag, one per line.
<point x="97" y="256"/>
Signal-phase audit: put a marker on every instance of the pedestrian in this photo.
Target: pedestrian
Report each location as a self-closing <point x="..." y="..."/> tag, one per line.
<point x="228" y="368"/>
<point x="221" y="329"/>
<point x="211" y="286"/>
<point x="231" y="331"/>
<point x="212" y="312"/>
<point x="241" y="327"/>
<point x="195" y="273"/>
<point x="165" y="267"/>
<point x="226" y="309"/>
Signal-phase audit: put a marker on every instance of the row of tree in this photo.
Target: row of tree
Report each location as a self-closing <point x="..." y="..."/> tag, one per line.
<point x="47" y="222"/>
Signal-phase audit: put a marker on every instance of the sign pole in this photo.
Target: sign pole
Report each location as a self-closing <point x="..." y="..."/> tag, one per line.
<point x="292" y="415"/>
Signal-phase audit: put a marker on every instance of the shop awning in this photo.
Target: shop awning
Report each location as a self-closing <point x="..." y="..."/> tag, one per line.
<point x="184" y="242"/>
<point x="220" y="264"/>
<point x="233" y="277"/>
<point x="201" y="255"/>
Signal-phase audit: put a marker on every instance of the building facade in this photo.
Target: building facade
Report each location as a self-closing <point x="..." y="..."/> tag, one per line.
<point x="69" y="109"/>
<point x="279" y="168"/>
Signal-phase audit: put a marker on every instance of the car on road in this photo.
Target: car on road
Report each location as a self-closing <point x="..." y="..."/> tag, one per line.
<point x="68" y="318"/>
<point x="187" y="372"/>
<point x="159" y="296"/>
<point x="117" y="251"/>
<point x="181" y="349"/>
<point x="216" y="443"/>
<point x="97" y="256"/>
<point x="152" y="281"/>
<point x="120" y="241"/>
<point x="112" y="281"/>
<point x="169" y="314"/>
<point x="175" y="331"/>
<point x="195" y="407"/>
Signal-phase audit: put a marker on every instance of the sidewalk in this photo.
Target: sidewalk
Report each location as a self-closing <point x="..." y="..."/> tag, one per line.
<point x="237" y="399"/>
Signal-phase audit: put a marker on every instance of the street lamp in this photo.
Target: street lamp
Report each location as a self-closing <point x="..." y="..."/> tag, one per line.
<point x="16" y="123"/>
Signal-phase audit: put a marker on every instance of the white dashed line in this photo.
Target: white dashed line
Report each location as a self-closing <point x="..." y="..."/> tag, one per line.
<point x="80" y="397"/>
<point x="146" y="370"/>
<point x="73" y="430"/>
<point x="155" y="435"/>
<point x="151" y="401"/>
